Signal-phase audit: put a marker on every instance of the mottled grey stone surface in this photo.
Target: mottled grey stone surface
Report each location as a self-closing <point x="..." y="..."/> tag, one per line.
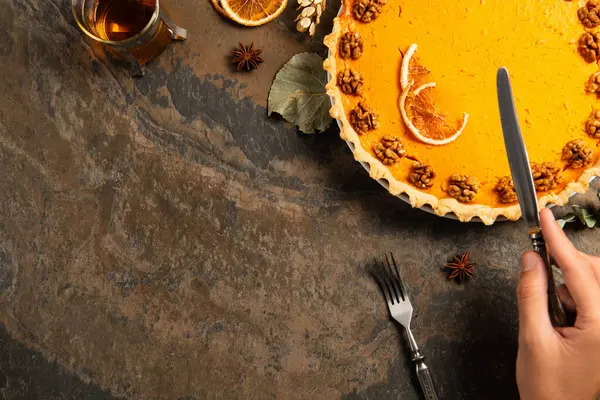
<point x="161" y="238"/>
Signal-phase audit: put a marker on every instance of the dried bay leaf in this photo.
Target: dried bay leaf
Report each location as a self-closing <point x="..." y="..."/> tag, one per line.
<point x="298" y="93"/>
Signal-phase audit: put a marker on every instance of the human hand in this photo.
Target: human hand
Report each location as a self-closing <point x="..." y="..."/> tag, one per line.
<point x="559" y="363"/>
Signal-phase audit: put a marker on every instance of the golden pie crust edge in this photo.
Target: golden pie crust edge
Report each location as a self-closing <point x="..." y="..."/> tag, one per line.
<point x="418" y="198"/>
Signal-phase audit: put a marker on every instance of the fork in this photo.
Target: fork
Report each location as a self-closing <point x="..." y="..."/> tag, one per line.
<point x="401" y="309"/>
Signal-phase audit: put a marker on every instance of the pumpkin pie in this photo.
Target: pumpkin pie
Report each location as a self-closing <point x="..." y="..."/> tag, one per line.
<point x="413" y="85"/>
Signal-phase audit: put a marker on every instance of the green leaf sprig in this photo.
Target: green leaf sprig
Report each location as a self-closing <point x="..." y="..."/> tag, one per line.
<point x="585" y="216"/>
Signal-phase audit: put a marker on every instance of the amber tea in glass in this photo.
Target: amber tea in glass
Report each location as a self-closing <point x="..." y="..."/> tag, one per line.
<point x="136" y="30"/>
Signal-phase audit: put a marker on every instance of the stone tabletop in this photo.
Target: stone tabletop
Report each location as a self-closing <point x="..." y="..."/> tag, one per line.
<point x="162" y="238"/>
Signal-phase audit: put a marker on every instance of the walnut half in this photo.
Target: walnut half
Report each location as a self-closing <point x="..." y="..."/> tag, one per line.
<point x="578" y="154"/>
<point x="367" y="10"/>
<point x="363" y="119"/>
<point x="593" y="84"/>
<point x="463" y="188"/>
<point x="506" y="190"/>
<point x="350" y="82"/>
<point x="421" y="175"/>
<point x="592" y="125"/>
<point x="589" y="46"/>
<point x="389" y="150"/>
<point x="589" y="15"/>
<point x="546" y="176"/>
<point x="351" y="45"/>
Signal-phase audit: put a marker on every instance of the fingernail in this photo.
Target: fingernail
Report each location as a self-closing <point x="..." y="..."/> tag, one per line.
<point x="530" y="259"/>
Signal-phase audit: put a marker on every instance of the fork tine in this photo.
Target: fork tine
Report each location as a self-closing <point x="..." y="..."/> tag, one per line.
<point x="378" y="274"/>
<point x="391" y="281"/>
<point x="394" y="280"/>
<point x="389" y="284"/>
<point x="402" y="288"/>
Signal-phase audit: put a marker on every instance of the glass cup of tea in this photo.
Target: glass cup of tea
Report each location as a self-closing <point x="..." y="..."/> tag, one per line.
<point x="136" y="30"/>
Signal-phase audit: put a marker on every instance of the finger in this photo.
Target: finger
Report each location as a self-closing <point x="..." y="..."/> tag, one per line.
<point x="578" y="274"/>
<point x="532" y="296"/>
<point x="566" y="298"/>
<point x="559" y="244"/>
<point x="594" y="263"/>
<point x="563" y="331"/>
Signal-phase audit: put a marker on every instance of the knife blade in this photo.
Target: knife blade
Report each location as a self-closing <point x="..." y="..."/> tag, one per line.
<point x="518" y="158"/>
<point x="520" y="169"/>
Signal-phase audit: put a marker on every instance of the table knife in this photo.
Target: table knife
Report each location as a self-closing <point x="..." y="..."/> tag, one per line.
<point x="523" y="180"/>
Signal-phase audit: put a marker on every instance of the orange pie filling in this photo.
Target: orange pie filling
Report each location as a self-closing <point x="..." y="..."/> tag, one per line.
<point x="550" y="48"/>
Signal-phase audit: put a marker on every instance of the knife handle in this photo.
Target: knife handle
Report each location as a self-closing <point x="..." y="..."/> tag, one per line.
<point x="555" y="307"/>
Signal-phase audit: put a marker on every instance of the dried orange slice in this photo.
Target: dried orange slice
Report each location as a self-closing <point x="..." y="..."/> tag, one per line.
<point x="418" y="110"/>
<point x="217" y="6"/>
<point x="412" y="69"/>
<point x="423" y="119"/>
<point x="253" y="12"/>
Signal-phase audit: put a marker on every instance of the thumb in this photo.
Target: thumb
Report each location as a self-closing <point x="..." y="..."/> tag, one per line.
<point x="532" y="296"/>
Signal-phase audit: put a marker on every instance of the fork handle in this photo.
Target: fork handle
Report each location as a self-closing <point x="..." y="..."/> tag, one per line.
<point x="424" y="376"/>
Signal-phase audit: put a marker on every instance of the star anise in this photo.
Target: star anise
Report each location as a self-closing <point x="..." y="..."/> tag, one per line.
<point x="460" y="268"/>
<point x="247" y="57"/>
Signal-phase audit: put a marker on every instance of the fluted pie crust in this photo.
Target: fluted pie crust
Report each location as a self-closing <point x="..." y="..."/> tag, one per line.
<point x="419" y="198"/>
